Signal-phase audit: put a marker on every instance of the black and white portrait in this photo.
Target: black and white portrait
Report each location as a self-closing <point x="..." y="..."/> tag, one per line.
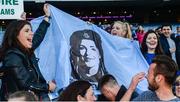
<point x="86" y="56"/>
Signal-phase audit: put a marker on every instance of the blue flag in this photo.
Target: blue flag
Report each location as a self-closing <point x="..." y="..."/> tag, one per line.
<point x="74" y="49"/>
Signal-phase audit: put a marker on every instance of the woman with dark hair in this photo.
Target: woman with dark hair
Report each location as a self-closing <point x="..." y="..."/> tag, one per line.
<point x="78" y="91"/>
<point x="19" y="64"/>
<point x="86" y="56"/>
<point x="151" y="46"/>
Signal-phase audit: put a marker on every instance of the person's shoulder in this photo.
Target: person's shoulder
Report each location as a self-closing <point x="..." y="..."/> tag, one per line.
<point x="146" y="96"/>
<point x="13" y="57"/>
<point x="148" y="92"/>
<point x="177" y="99"/>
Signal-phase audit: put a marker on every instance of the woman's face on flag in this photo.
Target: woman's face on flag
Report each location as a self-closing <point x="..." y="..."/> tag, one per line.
<point x="90" y="53"/>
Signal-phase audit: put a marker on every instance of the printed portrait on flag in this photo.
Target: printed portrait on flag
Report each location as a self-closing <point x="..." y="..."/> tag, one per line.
<point x="86" y="56"/>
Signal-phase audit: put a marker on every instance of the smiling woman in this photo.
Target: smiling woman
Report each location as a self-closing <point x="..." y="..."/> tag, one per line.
<point x="151" y="46"/>
<point x="19" y="63"/>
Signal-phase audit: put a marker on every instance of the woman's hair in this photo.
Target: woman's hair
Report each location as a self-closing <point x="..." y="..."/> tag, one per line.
<point x="75" y="56"/>
<point x="126" y="29"/>
<point x="144" y="48"/>
<point x="178" y="79"/>
<point x="73" y="90"/>
<point x="10" y="39"/>
<point x="77" y="37"/>
<point x="140" y="29"/>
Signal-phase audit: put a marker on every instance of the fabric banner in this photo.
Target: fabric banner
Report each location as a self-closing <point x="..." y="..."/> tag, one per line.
<point x="74" y="49"/>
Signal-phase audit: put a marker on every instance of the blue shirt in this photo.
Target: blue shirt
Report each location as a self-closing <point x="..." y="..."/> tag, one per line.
<point x="149" y="96"/>
<point x="149" y="57"/>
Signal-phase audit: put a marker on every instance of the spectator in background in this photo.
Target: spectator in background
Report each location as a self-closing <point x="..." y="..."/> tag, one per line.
<point x="108" y="29"/>
<point x="121" y="29"/>
<point x="169" y="46"/>
<point x="140" y="34"/>
<point x="176" y="39"/>
<point x="78" y="91"/>
<point x="161" y="76"/>
<point x="178" y="30"/>
<point x="133" y="30"/>
<point x="177" y="86"/>
<point x="22" y="96"/>
<point x="158" y="31"/>
<point x="19" y="63"/>
<point x="110" y="88"/>
<point x="151" y="46"/>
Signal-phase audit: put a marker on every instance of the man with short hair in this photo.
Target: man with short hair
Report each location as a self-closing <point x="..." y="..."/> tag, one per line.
<point x="23" y="96"/>
<point x="161" y="76"/>
<point x="169" y="46"/>
<point x="110" y="88"/>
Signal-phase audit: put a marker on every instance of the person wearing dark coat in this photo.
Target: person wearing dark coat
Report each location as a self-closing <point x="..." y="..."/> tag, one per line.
<point x="19" y="63"/>
<point x="176" y="39"/>
<point x="168" y="44"/>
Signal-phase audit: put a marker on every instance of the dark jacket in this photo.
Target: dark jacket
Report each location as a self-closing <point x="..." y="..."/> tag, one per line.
<point x="177" y="42"/>
<point x="165" y="45"/>
<point x="21" y="72"/>
<point x="122" y="91"/>
<point x="119" y="95"/>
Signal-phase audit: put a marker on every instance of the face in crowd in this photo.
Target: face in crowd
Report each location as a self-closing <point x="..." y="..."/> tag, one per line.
<point x="151" y="78"/>
<point x="152" y="41"/>
<point x="88" y="97"/>
<point x="78" y="91"/>
<point x="162" y="72"/>
<point x="25" y="36"/>
<point x="178" y="30"/>
<point x="19" y="34"/>
<point x="177" y="86"/>
<point x="166" y="30"/>
<point x="118" y="28"/>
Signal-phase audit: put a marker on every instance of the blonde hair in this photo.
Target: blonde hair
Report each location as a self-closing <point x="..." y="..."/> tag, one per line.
<point x="126" y="29"/>
<point x="178" y="79"/>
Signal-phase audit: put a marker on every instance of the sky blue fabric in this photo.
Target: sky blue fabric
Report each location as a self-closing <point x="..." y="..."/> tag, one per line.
<point x="122" y="57"/>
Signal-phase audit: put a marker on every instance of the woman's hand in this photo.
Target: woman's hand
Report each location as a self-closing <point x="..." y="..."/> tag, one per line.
<point x="23" y="16"/>
<point x="52" y="86"/>
<point x="46" y="11"/>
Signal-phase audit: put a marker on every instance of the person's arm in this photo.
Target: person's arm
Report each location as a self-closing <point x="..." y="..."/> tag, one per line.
<point x="42" y="29"/>
<point x="173" y="37"/>
<point x="134" y="82"/>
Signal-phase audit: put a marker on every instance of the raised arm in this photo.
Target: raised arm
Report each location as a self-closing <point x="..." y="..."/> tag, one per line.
<point x="134" y="82"/>
<point x="42" y="29"/>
